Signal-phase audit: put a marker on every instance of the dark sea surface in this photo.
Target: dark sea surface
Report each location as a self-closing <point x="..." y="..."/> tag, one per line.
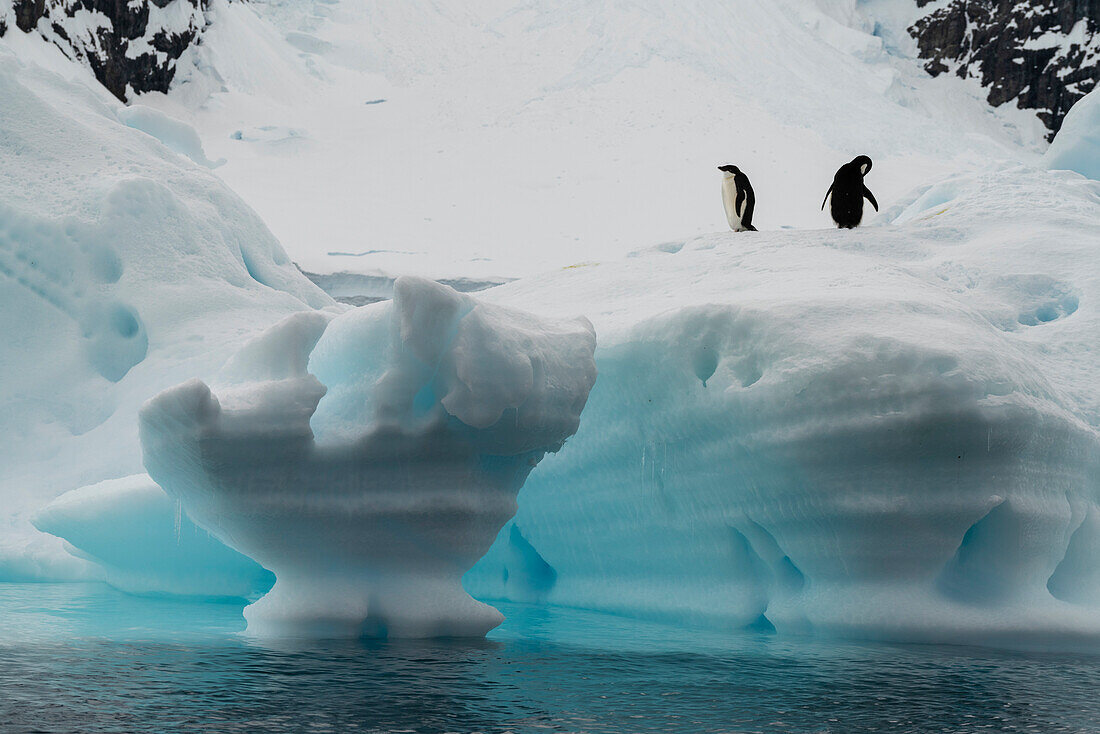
<point x="84" y="658"/>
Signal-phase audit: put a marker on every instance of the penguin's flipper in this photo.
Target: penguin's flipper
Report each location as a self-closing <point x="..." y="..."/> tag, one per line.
<point x="870" y="197"/>
<point x="827" y="198"/>
<point x="739" y="204"/>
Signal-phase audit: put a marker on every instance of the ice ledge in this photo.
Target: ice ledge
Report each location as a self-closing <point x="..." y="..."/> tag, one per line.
<point x="370" y="502"/>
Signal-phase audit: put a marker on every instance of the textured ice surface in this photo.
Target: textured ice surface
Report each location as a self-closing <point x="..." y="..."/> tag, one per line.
<point x="370" y="461"/>
<point x="1077" y="145"/>
<point x="885" y="432"/>
<point x="145" y="544"/>
<point x="124" y="269"/>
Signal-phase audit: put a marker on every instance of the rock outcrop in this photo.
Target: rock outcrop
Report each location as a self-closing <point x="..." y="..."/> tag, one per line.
<point x="131" y="46"/>
<point x="1043" y="54"/>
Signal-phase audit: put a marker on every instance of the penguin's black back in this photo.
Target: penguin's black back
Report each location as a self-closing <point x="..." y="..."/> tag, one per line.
<point x="743" y="185"/>
<point x="847" y="202"/>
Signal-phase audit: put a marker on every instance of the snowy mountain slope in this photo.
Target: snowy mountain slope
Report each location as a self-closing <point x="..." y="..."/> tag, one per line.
<point x="505" y="138"/>
<point x="889" y="432"/>
<point x="1043" y="55"/>
<point x="131" y="47"/>
<point x="124" y="268"/>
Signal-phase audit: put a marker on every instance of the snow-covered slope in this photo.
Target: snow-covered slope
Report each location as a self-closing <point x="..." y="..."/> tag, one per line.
<point x="891" y="431"/>
<point x="1041" y="55"/>
<point x="506" y="138"/>
<point x="124" y="268"/>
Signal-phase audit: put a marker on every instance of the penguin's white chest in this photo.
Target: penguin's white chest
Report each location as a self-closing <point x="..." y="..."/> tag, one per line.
<point x="729" y="201"/>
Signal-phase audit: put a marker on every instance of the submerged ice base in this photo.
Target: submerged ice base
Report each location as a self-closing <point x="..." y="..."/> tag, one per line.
<point x="146" y="545"/>
<point x="369" y="461"/>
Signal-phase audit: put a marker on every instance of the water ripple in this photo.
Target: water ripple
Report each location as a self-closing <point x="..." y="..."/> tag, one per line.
<point x="623" y="677"/>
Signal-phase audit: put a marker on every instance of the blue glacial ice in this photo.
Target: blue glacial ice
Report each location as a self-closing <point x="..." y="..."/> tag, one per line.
<point x="890" y="432"/>
<point x="124" y="269"/>
<point x="1077" y="145"/>
<point x="145" y="544"/>
<point x="371" y="482"/>
<point x="885" y="433"/>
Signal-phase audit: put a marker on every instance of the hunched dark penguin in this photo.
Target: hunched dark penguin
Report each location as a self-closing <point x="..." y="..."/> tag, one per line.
<point x="848" y="192"/>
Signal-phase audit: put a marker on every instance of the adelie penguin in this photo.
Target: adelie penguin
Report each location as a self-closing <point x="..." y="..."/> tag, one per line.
<point x="848" y="191"/>
<point x="738" y="198"/>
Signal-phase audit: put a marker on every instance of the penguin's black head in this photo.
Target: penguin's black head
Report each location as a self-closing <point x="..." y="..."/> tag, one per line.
<point x="729" y="169"/>
<point x="863" y="164"/>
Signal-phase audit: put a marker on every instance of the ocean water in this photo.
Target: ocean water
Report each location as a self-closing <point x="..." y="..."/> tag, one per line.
<point x="84" y="658"/>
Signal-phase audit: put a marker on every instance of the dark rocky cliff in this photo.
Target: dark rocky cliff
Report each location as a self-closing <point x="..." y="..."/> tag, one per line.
<point x="131" y="46"/>
<point x="1044" y="55"/>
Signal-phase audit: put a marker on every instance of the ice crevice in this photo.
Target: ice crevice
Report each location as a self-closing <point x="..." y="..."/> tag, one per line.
<point x="369" y="459"/>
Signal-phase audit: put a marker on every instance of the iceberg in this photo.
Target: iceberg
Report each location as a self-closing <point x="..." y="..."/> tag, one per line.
<point x="884" y="433"/>
<point x="370" y="459"/>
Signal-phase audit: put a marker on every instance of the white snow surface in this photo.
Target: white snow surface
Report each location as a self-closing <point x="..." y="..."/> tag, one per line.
<point x="887" y="432"/>
<point x="124" y="268"/>
<point x="372" y="482"/>
<point x="505" y="138"/>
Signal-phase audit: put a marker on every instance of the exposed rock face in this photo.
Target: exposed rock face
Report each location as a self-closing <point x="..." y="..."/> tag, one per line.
<point x="1044" y="54"/>
<point x="132" y="46"/>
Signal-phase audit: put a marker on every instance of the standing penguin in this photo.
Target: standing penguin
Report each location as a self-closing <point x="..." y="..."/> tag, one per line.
<point x="848" y="191"/>
<point x="738" y="198"/>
